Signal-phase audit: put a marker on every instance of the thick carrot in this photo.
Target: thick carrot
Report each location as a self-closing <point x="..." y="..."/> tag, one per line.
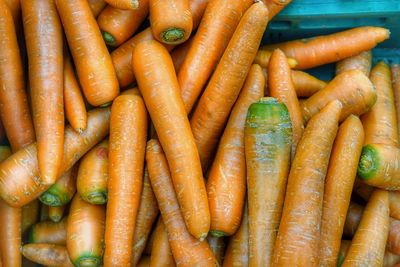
<point x="342" y="171"/>
<point x="280" y="85"/>
<point x="96" y="6"/>
<point x="74" y="104"/>
<point x="178" y="55"/>
<point x="305" y="84"/>
<point x="353" y="218"/>
<point x="29" y="215"/>
<point x="45" y="55"/>
<point x="49" y="232"/>
<point x="118" y="25"/>
<point x="368" y="245"/>
<point x="275" y="6"/>
<point x="14" y="110"/>
<point x="215" y="104"/>
<point x="208" y="46"/>
<point x="158" y="84"/>
<point x="395" y="69"/>
<point x="352" y="88"/>
<point x="47" y="254"/>
<point x="325" y="49"/>
<point x="92" y="60"/>
<point x="268" y="142"/>
<point x="380" y="121"/>
<point x="124" y="4"/>
<point x="56" y="213"/>
<point x="161" y="254"/>
<point x="299" y="232"/>
<point x="217" y="246"/>
<point x="263" y="56"/>
<point x="93" y="174"/>
<point x="361" y="62"/>
<point x="10" y="235"/>
<point x="23" y="164"/>
<point x="226" y="184"/>
<point x="128" y="132"/>
<point x="147" y="214"/>
<point x="85" y="233"/>
<point x="186" y="249"/>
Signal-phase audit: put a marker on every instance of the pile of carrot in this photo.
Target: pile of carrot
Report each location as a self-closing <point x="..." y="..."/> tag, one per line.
<point x="163" y="133"/>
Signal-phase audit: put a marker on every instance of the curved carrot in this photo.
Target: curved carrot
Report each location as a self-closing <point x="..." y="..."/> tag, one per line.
<point x="29" y="215"/>
<point x="299" y="232"/>
<point x="275" y="6"/>
<point x="97" y="77"/>
<point x="395" y="70"/>
<point x="380" y="121"/>
<point x="56" y="213"/>
<point x="361" y="62"/>
<point x="75" y="110"/>
<point x="215" y="104"/>
<point x="128" y="132"/>
<point x="280" y="85"/>
<point x="118" y="25"/>
<point x="178" y="55"/>
<point x="324" y="49"/>
<point x="339" y="182"/>
<point x="161" y="255"/>
<point x="92" y="177"/>
<point x="186" y="249"/>
<point x="96" y="6"/>
<point x="393" y="242"/>
<point x="217" y="246"/>
<point x="226" y="184"/>
<point x="23" y="164"/>
<point x="208" y="46"/>
<point x="352" y="88"/>
<point x="158" y="84"/>
<point x="353" y="218"/>
<point x="49" y="232"/>
<point x="124" y="4"/>
<point x="45" y="54"/>
<point x="368" y="245"/>
<point x="85" y="233"/>
<point x="47" y="254"/>
<point x="305" y="84"/>
<point x="263" y="56"/>
<point x="10" y="235"/>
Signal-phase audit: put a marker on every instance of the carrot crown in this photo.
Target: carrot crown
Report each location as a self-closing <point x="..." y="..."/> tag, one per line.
<point x="369" y="162"/>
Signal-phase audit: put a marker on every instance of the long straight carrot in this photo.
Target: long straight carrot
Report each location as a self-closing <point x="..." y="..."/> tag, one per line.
<point x="217" y="246"/>
<point x="215" y="104"/>
<point x="368" y="245"/>
<point x="23" y="164"/>
<point x="85" y="233"/>
<point x="208" y="46"/>
<point x="158" y="84"/>
<point x="339" y="182"/>
<point x="361" y="62"/>
<point x="299" y="231"/>
<point x="128" y="133"/>
<point x="395" y="71"/>
<point x="353" y="218"/>
<point x="97" y="77"/>
<point x="118" y="25"/>
<point x="56" y="213"/>
<point x="324" y="49"/>
<point x="124" y="4"/>
<point x="186" y="249"/>
<point x="161" y="254"/>
<point x="45" y="54"/>
<point x="29" y="215"/>
<point x="47" y="254"/>
<point x="49" y="232"/>
<point x="226" y="184"/>
<point x="305" y="84"/>
<point x="275" y="6"/>
<point x="96" y="6"/>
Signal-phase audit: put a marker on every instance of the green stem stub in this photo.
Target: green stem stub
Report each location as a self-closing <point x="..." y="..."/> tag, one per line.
<point x="216" y="233"/>
<point x="97" y="198"/>
<point x="108" y="38"/>
<point x="172" y="35"/>
<point x="87" y="261"/>
<point x="369" y="162"/>
<point x="50" y="199"/>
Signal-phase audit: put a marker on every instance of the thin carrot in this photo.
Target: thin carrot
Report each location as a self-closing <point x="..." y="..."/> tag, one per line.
<point x="47" y="254"/>
<point x="56" y="213"/>
<point x="395" y="71"/>
<point x="23" y="164"/>
<point x="74" y="104"/>
<point x="305" y="84"/>
<point x="325" y="49"/>
<point x="158" y="84"/>
<point x="93" y="174"/>
<point x="215" y="104"/>
<point x="128" y="132"/>
<point x="353" y="218"/>
<point x="275" y="6"/>
<point x="368" y="245"/>
<point x="96" y="6"/>
<point x="339" y="182"/>
<point x="49" y="232"/>
<point x="217" y="246"/>
<point x="118" y="25"/>
<point x="208" y="46"/>
<point x="299" y="231"/>
<point x="352" y="88"/>
<point x="393" y="242"/>
<point x="97" y="77"/>
<point x="161" y="255"/>
<point x="263" y="56"/>
<point x="178" y="55"/>
<point x="85" y="233"/>
<point x="124" y="4"/>
<point x="186" y="249"/>
<point x="29" y="215"/>
<point x="361" y="62"/>
<point x="10" y="235"/>
<point x="226" y="184"/>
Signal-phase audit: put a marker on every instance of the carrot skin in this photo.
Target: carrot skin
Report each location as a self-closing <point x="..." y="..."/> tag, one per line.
<point x="263" y="57"/>
<point x="49" y="232"/>
<point x="161" y="255"/>
<point x="361" y="62"/>
<point x="29" y="215"/>
<point x="395" y="71"/>
<point x="96" y="6"/>
<point x="124" y="4"/>
<point x="179" y="54"/>
<point x="10" y="235"/>
<point x="305" y="84"/>
<point x="56" y="213"/>
<point x="47" y="254"/>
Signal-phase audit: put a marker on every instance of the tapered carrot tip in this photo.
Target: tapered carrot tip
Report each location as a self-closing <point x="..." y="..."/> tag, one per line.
<point x="203" y="236"/>
<point x="108" y="38"/>
<point x="97" y="198"/>
<point x="215" y="233"/>
<point x="369" y="162"/>
<point x="87" y="260"/>
<point x="172" y="35"/>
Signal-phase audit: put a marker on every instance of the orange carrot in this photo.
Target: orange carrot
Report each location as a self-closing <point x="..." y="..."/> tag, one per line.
<point x="186" y="249"/>
<point x="118" y="25"/>
<point x="361" y="62"/>
<point x="10" y="235"/>
<point x="324" y="49"/>
<point x="299" y="232"/>
<point x="368" y="245"/>
<point x="23" y="164"/>
<point x="305" y="84"/>
<point x="215" y="104"/>
<point x="263" y="56"/>
<point x="393" y="242"/>
<point x="128" y="132"/>
<point x="49" y="232"/>
<point x="352" y="88"/>
<point x="161" y="255"/>
<point x="158" y="84"/>
<point x="15" y="8"/>
<point x="47" y="254"/>
<point x="96" y="6"/>
<point x="339" y="182"/>
<point x="275" y="6"/>
<point x="97" y="77"/>
<point x="124" y="4"/>
<point x="178" y="55"/>
<point x="353" y="218"/>
<point x="395" y="69"/>
<point x="29" y="215"/>
<point x="56" y="213"/>
<point x="217" y="246"/>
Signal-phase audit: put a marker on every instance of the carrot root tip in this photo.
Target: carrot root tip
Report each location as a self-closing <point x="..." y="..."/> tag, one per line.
<point x="215" y="233"/>
<point x="97" y="198"/>
<point x="369" y="162"/>
<point x="50" y="199"/>
<point x="87" y="261"/>
<point x="203" y="237"/>
<point x="108" y="38"/>
<point x="172" y="35"/>
<point x="135" y="4"/>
